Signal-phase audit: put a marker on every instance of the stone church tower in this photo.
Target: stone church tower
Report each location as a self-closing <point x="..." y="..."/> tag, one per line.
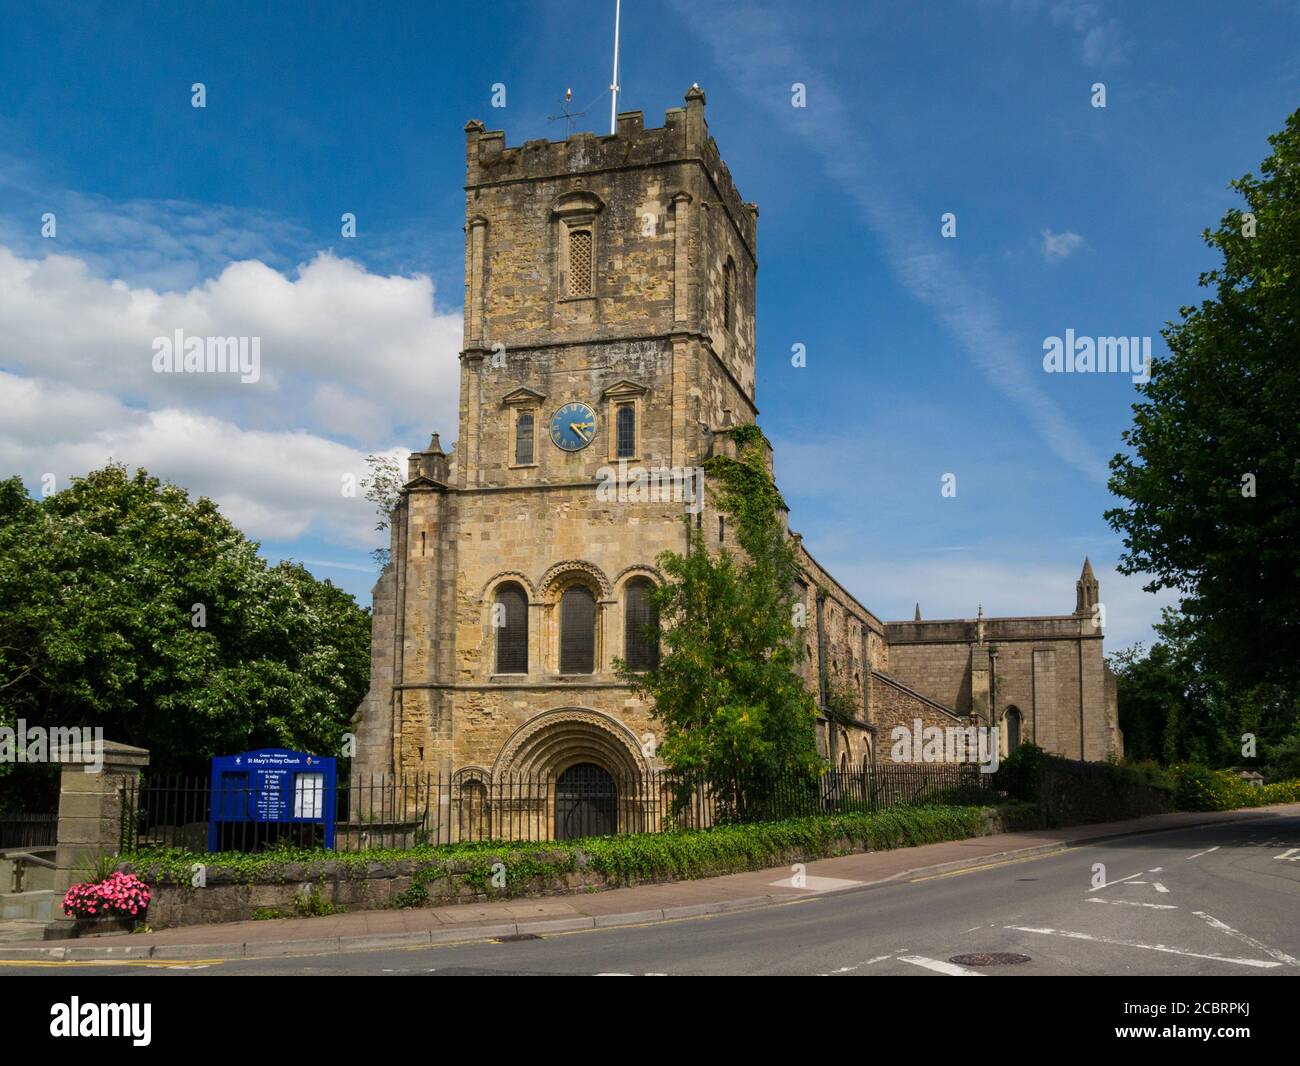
<point x="609" y="331"/>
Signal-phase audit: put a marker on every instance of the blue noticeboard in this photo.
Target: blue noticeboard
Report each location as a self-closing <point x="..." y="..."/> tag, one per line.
<point x="272" y="785"/>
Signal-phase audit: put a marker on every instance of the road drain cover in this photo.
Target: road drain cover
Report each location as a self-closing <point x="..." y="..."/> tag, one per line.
<point x="516" y="936"/>
<point x="989" y="958"/>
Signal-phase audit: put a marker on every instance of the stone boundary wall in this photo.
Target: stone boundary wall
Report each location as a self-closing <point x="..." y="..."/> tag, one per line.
<point x="1080" y="793"/>
<point x="232" y="896"/>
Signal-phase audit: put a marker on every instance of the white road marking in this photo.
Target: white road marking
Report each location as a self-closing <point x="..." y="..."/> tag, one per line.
<point x="1132" y="903"/>
<point x="1205" y="852"/>
<point x="1159" y="887"/>
<point x="859" y="965"/>
<point x="941" y="967"/>
<point x="1156" y="870"/>
<point x="1120" y="881"/>
<point x="1288" y="853"/>
<point x="1259" y="963"/>
<point x="1281" y="956"/>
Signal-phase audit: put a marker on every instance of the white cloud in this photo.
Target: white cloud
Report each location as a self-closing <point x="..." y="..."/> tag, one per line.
<point x="272" y="485"/>
<point x="352" y="362"/>
<point x="331" y="335"/>
<point x="1060" y="245"/>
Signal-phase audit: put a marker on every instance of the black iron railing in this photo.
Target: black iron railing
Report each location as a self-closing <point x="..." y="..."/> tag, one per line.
<point x="584" y="800"/>
<point x="28" y="830"/>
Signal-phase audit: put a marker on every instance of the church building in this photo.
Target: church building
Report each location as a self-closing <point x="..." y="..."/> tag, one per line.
<point x="609" y="326"/>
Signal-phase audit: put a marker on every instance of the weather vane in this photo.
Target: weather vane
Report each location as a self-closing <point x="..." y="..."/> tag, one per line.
<point x="566" y="113"/>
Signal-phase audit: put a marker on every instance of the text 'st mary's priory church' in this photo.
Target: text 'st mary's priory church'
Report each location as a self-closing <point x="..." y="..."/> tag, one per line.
<point x="609" y="315"/>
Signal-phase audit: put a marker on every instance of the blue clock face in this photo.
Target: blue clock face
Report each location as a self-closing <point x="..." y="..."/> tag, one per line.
<point x="573" y="427"/>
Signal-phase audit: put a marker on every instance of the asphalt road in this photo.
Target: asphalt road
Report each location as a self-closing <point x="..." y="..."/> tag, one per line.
<point x="1216" y="900"/>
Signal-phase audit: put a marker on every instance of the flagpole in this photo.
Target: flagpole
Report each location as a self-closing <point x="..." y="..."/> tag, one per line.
<point x="613" y="103"/>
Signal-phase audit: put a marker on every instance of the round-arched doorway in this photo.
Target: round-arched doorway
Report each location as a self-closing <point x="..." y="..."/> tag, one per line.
<point x="586" y="802"/>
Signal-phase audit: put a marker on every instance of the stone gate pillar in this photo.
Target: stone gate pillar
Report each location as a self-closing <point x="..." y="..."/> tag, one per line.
<point x="90" y="807"/>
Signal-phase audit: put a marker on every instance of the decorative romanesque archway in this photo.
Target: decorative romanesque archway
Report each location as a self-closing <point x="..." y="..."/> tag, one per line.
<point x="609" y="789"/>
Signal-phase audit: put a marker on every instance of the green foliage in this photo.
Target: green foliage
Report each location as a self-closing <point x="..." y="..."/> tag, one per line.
<point x="1174" y="706"/>
<point x="1198" y="788"/>
<point x="98" y="587"/>
<point x="1282" y="760"/>
<point x="309" y="903"/>
<point x="97" y="869"/>
<point x="1019" y="774"/>
<point x="383" y="486"/>
<point x="414" y="896"/>
<point x="727" y="689"/>
<point x="619" y="859"/>
<point x="1222" y="406"/>
<point x="842" y="702"/>
<point x="1018" y="816"/>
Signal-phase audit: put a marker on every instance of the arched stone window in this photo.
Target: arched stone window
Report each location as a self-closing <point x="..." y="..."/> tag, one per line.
<point x="510" y="618"/>
<point x="577" y="631"/>
<point x="640" y="649"/>
<point x="1013" y="729"/>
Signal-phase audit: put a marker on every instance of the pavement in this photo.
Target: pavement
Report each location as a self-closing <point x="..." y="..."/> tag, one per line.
<point x="374" y="935"/>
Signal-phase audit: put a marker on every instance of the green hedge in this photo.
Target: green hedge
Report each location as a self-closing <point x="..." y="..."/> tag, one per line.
<point x="1198" y="788"/>
<point x="626" y="859"/>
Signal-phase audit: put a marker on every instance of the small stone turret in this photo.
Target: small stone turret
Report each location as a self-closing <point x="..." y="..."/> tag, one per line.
<point x="430" y="463"/>
<point x="1087" y="590"/>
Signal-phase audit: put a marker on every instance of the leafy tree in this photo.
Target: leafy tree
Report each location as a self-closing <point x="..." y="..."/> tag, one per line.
<point x="127" y="605"/>
<point x="1213" y="486"/>
<point x="727" y="690"/>
<point x="383" y="485"/>
<point x="1174" y="708"/>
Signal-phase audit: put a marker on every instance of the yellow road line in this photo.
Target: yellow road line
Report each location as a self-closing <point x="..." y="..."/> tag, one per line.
<point x="168" y="963"/>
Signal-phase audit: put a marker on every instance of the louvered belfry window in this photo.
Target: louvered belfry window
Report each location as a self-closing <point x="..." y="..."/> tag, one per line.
<point x="580" y="262"/>
<point x="577" y="631"/>
<point x="524" y="438"/>
<point x="640" y="648"/>
<point x="626" y="431"/>
<point x="512" y="636"/>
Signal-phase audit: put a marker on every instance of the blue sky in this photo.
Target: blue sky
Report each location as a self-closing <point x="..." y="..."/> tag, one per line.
<point x="924" y="353"/>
